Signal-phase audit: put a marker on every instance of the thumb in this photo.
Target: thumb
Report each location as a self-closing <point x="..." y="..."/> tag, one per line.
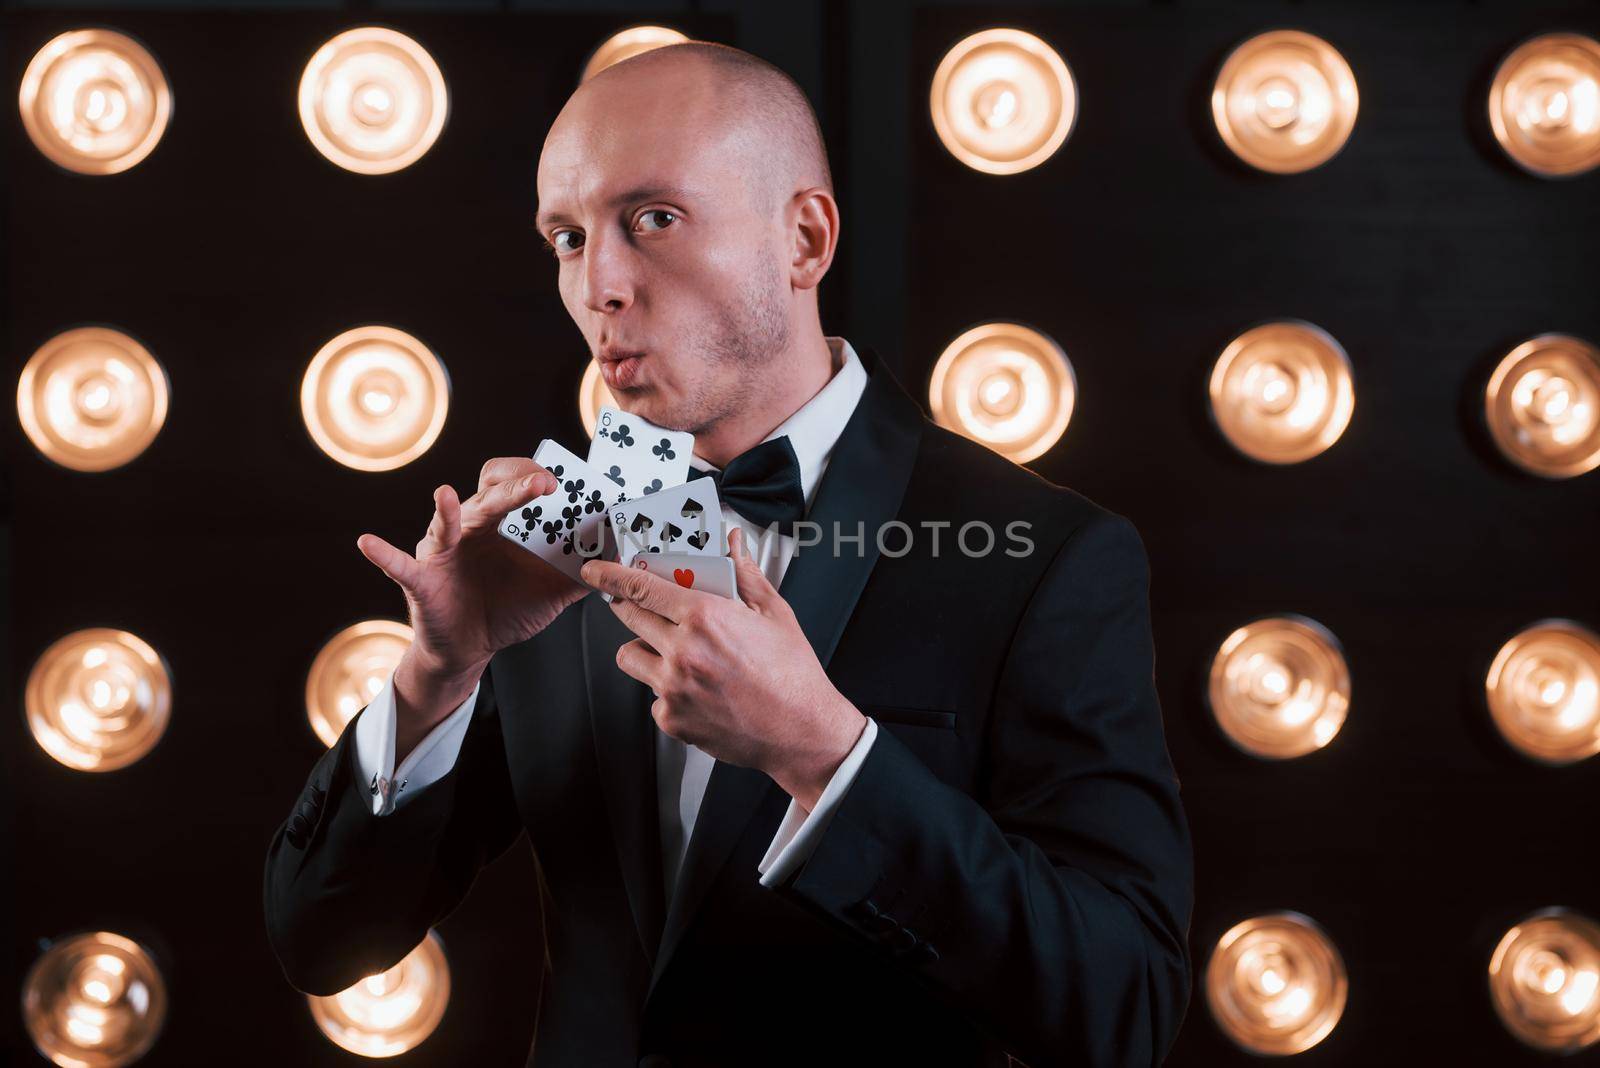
<point x="754" y="589"/>
<point x="398" y="564"/>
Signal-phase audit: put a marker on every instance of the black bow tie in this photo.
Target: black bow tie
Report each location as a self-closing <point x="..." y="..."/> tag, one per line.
<point x="762" y="484"/>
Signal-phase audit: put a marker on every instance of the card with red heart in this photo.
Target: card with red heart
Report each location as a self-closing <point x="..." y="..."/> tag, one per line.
<point x="712" y="574"/>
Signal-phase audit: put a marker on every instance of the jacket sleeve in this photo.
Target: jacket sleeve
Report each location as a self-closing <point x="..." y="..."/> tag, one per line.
<point x="1053" y="908"/>
<point x="348" y="893"/>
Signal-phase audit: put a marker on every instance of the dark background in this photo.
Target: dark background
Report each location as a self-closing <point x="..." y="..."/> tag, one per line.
<point x="234" y="251"/>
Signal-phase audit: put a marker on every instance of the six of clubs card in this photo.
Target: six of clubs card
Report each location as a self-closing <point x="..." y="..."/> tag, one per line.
<point x="637" y="455"/>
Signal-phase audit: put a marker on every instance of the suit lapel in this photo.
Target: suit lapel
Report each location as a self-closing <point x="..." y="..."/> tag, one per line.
<point x="864" y="484"/>
<point x="624" y="741"/>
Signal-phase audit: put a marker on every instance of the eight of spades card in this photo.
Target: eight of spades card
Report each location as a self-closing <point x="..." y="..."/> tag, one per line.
<point x="567" y="527"/>
<point x="684" y="519"/>
<point x="636" y="454"/>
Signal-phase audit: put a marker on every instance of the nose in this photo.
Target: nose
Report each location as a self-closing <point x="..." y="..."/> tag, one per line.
<point x="608" y="273"/>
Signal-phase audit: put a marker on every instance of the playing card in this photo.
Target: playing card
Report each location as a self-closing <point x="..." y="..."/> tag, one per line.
<point x="637" y="455"/>
<point x="684" y="519"/>
<point x="712" y="574"/>
<point x="564" y="528"/>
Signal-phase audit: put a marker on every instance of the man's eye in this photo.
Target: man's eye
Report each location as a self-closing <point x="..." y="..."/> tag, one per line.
<point x="558" y="247"/>
<point x="659" y="211"/>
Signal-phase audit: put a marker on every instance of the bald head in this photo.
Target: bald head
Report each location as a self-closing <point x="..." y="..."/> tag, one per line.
<point x="686" y="194"/>
<point x="743" y="103"/>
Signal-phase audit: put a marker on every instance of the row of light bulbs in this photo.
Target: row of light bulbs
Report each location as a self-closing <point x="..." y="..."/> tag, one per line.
<point x="374" y="398"/>
<point x="1284" y="101"/>
<point x="373" y="100"/>
<point x="1275" y="984"/>
<point x="97" y="999"/>
<point x="99" y="699"/>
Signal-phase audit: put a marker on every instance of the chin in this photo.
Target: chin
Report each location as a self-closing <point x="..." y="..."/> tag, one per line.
<point x="647" y="404"/>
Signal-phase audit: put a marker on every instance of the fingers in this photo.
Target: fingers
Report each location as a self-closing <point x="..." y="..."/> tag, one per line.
<point x="490" y="504"/>
<point x="445" y="530"/>
<point x="754" y="589"/>
<point x="505" y="469"/>
<point x="652" y="627"/>
<point x="637" y="659"/>
<point x="396" y="563"/>
<point x="642" y="588"/>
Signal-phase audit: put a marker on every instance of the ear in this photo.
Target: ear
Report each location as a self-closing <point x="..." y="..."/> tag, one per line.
<point x="815" y="228"/>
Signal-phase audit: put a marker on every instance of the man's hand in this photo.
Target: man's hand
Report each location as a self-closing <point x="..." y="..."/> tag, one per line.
<point x="469" y="593"/>
<point x="740" y="681"/>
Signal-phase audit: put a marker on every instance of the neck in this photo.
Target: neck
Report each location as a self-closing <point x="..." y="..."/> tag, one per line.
<point x="804" y="371"/>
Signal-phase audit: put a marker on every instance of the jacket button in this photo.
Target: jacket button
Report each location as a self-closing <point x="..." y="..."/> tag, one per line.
<point x="926" y="954"/>
<point x="295" y="838"/>
<point x="902" y="940"/>
<point x="298" y="825"/>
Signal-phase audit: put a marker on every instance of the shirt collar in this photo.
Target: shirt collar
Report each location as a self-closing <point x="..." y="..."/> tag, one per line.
<point x="816" y="425"/>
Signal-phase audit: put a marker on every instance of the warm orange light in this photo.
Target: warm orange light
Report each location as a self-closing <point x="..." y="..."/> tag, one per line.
<point x="1544" y="980"/>
<point x="92" y="399"/>
<point x="373" y="100"/>
<point x="1544" y="104"/>
<point x="1542" y="405"/>
<point x="592" y="396"/>
<point x="1282" y="392"/>
<point x="374" y="398"/>
<point x="1002" y="101"/>
<point x="1007" y="386"/>
<point x="98" y="699"/>
<point x="1284" y="101"/>
<point x="94" y="1000"/>
<point x="348" y="672"/>
<point x="1279" y="687"/>
<point x="94" y="101"/>
<point x="391" y="1012"/>
<point x="1543" y="690"/>
<point x="1276" y="984"/>
<point x="625" y="44"/>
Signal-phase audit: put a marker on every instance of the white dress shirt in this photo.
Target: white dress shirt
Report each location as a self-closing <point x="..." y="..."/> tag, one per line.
<point x="682" y="770"/>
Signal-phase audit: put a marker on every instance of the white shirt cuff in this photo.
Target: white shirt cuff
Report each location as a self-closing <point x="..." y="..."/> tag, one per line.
<point x="429" y="762"/>
<point x="799" y="832"/>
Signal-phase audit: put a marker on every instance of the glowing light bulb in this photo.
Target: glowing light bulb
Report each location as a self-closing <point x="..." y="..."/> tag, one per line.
<point x="372" y="100"/>
<point x="1003" y="101"/>
<point x="349" y="670"/>
<point x="94" y="101"/>
<point x="1544" y="104"/>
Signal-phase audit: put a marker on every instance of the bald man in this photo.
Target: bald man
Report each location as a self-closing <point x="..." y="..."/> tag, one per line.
<point x="906" y="800"/>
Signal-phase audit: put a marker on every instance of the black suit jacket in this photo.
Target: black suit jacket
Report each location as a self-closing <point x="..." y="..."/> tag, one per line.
<point x="1009" y="874"/>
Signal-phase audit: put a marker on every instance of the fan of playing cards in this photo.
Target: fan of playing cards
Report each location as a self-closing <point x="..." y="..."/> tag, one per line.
<point x="628" y="498"/>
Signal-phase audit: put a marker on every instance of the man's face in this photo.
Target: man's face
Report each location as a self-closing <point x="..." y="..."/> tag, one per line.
<point x="646" y="203"/>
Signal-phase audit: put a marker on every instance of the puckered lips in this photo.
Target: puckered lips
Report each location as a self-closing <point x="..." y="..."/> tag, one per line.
<point x="619" y="365"/>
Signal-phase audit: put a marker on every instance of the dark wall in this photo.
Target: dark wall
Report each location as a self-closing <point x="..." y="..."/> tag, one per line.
<point x="234" y="251"/>
<point x="1416" y="837"/>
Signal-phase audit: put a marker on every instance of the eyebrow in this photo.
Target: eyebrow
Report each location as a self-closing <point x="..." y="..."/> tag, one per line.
<point x="647" y="192"/>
